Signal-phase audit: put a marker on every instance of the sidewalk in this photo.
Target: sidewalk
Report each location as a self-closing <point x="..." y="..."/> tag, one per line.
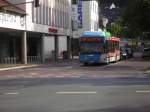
<point x="136" y="61"/>
<point x="144" y="63"/>
<point x="59" y="63"/>
<point x="134" y="67"/>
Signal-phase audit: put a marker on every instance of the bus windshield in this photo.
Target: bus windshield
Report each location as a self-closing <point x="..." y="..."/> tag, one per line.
<point x="91" y="47"/>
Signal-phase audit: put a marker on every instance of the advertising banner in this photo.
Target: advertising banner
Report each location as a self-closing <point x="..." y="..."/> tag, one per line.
<point x="80" y="22"/>
<point x="12" y="21"/>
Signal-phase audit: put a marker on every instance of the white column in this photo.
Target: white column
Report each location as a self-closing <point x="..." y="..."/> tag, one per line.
<point x="43" y="48"/>
<point x="24" y="47"/>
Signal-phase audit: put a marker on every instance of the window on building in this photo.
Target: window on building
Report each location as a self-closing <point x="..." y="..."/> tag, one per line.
<point x="63" y="19"/>
<point x="40" y="15"/>
<point x="33" y="13"/>
<point x="53" y="17"/>
<point x="46" y="16"/>
<point x="49" y="16"/>
<point x="57" y="19"/>
<point x="43" y="14"/>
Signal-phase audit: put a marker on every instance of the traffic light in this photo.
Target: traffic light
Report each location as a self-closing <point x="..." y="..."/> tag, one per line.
<point x="36" y="3"/>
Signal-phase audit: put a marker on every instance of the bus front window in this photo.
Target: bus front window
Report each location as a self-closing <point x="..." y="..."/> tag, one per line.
<point x="91" y="48"/>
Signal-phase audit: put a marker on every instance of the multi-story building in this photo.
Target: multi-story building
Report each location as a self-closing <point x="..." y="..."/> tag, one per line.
<point x="88" y="16"/>
<point x="12" y="24"/>
<point x="88" y="19"/>
<point x="46" y="33"/>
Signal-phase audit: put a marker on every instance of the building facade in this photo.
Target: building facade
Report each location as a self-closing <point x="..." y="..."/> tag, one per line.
<point x="87" y="18"/>
<point x="46" y="32"/>
<point x="51" y="19"/>
<point x="12" y="25"/>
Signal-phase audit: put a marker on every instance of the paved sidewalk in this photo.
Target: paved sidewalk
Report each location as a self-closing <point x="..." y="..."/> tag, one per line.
<point x="134" y="67"/>
<point x="59" y="63"/>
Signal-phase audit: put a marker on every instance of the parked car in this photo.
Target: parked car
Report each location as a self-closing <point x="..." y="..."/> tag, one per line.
<point x="123" y="53"/>
<point x="126" y="52"/>
<point x="146" y="52"/>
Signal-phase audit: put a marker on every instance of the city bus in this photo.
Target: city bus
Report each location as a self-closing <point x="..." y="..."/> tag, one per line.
<point x="97" y="47"/>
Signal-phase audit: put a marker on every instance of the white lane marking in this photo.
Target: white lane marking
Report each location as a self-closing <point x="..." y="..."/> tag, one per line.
<point x="78" y="92"/>
<point x="142" y="91"/>
<point x="86" y="86"/>
<point x="11" y="93"/>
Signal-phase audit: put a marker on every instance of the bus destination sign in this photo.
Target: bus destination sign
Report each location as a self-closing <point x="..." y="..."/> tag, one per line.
<point x="90" y="39"/>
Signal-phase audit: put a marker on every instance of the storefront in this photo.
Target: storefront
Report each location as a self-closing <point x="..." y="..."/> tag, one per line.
<point x="12" y="25"/>
<point x="32" y="34"/>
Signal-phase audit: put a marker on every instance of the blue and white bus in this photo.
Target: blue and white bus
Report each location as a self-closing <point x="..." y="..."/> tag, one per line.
<point x="97" y="47"/>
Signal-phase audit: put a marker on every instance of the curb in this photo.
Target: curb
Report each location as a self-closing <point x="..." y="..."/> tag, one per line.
<point x="18" y="67"/>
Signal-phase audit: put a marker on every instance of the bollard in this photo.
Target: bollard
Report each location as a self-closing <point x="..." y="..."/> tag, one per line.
<point x="0" y="60"/>
<point x="30" y="59"/>
<point x="38" y="59"/>
<point x="10" y="60"/>
<point x="5" y="60"/>
<point x="34" y="57"/>
<point x="15" y="60"/>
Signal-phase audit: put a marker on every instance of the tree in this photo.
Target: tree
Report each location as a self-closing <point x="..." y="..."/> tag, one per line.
<point x="137" y="17"/>
<point x="117" y="29"/>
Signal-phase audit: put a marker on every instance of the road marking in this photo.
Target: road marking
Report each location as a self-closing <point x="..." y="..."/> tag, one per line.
<point x="11" y="93"/>
<point x="78" y="92"/>
<point x="85" y="86"/>
<point x="142" y="91"/>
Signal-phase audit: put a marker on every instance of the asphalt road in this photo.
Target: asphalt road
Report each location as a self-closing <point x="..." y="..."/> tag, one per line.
<point x="75" y="95"/>
<point x="118" y="87"/>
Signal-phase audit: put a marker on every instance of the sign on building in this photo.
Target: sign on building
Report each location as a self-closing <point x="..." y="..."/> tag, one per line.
<point x="80" y="21"/>
<point x="12" y="21"/>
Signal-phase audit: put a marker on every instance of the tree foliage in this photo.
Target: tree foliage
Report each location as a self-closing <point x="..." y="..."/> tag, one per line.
<point x="117" y="29"/>
<point x="136" y="17"/>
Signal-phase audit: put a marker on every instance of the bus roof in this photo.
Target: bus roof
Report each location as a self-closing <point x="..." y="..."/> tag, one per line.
<point x="105" y="35"/>
<point x="93" y="34"/>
